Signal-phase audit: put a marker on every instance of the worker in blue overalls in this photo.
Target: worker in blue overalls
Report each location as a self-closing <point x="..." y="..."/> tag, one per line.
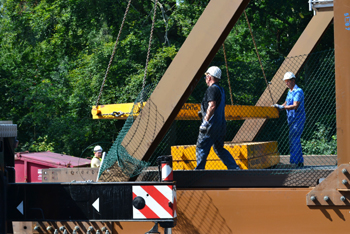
<point x="294" y="105"/>
<point x="213" y="126"/>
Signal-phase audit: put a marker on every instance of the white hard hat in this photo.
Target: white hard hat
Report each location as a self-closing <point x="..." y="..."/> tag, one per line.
<point x="288" y="76"/>
<point x="214" y="71"/>
<point x="98" y="148"/>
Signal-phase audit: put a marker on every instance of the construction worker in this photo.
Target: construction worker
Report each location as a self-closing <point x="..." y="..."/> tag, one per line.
<point x="294" y="105"/>
<point x="96" y="160"/>
<point x="213" y="126"/>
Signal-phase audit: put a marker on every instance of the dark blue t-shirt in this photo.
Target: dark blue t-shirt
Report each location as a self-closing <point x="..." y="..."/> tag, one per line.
<point x="212" y="94"/>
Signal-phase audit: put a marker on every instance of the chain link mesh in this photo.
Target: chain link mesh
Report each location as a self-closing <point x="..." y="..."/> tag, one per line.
<point x="117" y="155"/>
<point x="256" y="143"/>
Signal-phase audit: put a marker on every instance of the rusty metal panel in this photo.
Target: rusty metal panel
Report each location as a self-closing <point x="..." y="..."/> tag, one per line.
<point x="305" y="44"/>
<point x="182" y="76"/>
<point x="342" y="77"/>
<point x="265" y="210"/>
<point x="69" y="174"/>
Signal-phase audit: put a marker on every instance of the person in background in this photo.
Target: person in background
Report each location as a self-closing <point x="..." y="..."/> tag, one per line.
<point x="213" y="128"/>
<point x="294" y="105"/>
<point x="96" y="160"/>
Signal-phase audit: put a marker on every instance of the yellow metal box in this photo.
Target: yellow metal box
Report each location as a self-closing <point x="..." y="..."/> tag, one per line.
<point x="252" y="155"/>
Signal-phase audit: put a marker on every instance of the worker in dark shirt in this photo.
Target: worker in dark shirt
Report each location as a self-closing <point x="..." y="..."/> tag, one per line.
<point x="213" y="126"/>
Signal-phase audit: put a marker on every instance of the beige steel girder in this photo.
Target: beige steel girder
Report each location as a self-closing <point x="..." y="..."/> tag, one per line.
<point x="342" y="77"/>
<point x="182" y="76"/>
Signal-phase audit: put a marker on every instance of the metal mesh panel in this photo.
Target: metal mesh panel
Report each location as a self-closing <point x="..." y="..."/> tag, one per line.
<point x="317" y="79"/>
<point x="117" y="154"/>
<point x="261" y="143"/>
<point x="256" y="138"/>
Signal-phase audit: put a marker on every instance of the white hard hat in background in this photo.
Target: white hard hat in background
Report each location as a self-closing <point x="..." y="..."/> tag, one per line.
<point x="98" y="148"/>
<point x="214" y="71"/>
<point x="288" y="76"/>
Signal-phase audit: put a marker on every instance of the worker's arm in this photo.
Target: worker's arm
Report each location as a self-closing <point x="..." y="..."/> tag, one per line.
<point x="288" y="107"/>
<point x="291" y="107"/>
<point x="210" y="110"/>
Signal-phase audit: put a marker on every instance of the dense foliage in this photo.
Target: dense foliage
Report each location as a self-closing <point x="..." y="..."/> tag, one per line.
<point x="320" y="143"/>
<point x="54" y="55"/>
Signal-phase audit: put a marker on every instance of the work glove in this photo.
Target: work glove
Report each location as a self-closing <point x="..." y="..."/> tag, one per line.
<point x="281" y="107"/>
<point x="204" y="127"/>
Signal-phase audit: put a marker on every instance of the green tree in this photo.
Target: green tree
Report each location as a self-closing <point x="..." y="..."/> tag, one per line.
<point x="54" y="55"/>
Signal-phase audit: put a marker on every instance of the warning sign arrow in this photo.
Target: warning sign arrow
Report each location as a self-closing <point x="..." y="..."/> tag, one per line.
<point x="96" y="204"/>
<point x="20" y="207"/>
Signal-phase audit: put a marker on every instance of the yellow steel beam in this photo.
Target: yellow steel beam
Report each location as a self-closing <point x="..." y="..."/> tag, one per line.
<point x="116" y="111"/>
<point x="189" y="111"/>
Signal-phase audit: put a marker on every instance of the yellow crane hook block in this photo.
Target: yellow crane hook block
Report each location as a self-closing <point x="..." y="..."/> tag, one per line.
<point x="189" y="111"/>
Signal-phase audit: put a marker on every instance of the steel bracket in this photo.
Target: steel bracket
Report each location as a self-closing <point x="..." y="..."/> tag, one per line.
<point x="333" y="190"/>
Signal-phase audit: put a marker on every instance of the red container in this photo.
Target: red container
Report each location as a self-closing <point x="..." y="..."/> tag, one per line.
<point x="28" y="166"/>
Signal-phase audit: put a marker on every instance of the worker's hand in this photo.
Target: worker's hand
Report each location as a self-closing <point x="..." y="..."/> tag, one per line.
<point x="204" y="127"/>
<point x="281" y="107"/>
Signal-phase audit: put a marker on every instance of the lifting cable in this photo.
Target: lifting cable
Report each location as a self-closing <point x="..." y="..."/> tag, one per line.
<point x="257" y="52"/>
<point x="148" y="52"/>
<point x="228" y="77"/>
<point x="115" y="46"/>
<point x="113" y="53"/>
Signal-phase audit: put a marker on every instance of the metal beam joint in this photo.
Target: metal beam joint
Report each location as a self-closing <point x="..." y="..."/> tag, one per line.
<point x="333" y="190"/>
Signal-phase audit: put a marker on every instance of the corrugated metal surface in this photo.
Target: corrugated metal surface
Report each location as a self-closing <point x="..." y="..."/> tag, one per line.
<point x="29" y="166"/>
<point x="8" y="130"/>
<point x="53" y="159"/>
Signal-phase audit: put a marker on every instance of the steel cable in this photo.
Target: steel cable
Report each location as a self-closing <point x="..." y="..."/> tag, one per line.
<point x="148" y="52"/>
<point x="113" y="53"/>
<point x="257" y="52"/>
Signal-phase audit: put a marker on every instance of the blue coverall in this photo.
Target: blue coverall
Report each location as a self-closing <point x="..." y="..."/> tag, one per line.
<point x="296" y="120"/>
<point x="215" y="137"/>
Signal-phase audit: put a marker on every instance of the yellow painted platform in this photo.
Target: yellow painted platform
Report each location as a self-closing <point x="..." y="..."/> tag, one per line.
<point x="189" y="111"/>
<point x="253" y="155"/>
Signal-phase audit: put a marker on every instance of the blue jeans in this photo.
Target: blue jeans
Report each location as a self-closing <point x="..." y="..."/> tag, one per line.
<point x="295" y="131"/>
<point x="204" y="144"/>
